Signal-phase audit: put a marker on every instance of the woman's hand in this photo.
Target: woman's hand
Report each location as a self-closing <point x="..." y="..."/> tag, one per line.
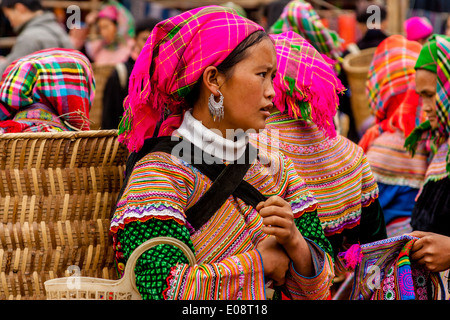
<point x="431" y="250"/>
<point x="278" y="221"/>
<point x="275" y="260"/>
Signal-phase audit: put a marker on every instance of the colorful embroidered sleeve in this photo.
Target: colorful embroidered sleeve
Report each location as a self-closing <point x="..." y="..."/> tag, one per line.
<point x="239" y="277"/>
<point x="157" y="189"/>
<point x="311" y="288"/>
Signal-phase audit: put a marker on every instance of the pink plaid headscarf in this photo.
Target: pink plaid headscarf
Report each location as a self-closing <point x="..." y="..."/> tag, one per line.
<point x="305" y="84"/>
<point x="177" y="52"/>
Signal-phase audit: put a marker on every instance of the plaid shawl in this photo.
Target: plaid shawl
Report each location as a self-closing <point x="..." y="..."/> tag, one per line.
<point x="435" y="138"/>
<point x="61" y="79"/>
<point x="305" y="83"/>
<point x="176" y="53"/>
<point x="300" y="17"/>
<point x="390" y="85"/>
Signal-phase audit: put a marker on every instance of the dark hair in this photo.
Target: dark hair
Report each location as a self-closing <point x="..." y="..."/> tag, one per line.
<point x="226" y="66"/>
<point x="362" y="15"/>
<point x="146" y="24"/>
<point x="240" y="52"/>
<point x="32" y="5"/>
<point x="273" y="10"/>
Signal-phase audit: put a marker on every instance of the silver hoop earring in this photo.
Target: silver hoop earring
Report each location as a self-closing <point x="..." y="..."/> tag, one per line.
<point x="216" y="108"/>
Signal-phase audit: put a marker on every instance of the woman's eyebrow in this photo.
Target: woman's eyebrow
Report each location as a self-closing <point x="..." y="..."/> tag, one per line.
<point x="267" y="67"/>
<point x="427" y="91"/>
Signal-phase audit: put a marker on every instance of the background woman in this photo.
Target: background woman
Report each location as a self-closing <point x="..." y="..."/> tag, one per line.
<point x="396" y="106"/>
<point x="27" y="104"/>
<point x="116" y="30"/>
<point x="432" y="208"/>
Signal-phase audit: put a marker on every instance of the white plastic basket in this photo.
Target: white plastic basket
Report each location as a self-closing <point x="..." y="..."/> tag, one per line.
<point x="88" y="288"/>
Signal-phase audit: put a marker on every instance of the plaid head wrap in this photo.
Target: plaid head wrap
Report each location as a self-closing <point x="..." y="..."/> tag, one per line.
<point x="434" y="57"/>
<point x="176" y="53"/>
<point x="391" y="87"/>
<point x="61" y="79"/>
<point x="305" y="84"/>
<point x="299" y="16"/>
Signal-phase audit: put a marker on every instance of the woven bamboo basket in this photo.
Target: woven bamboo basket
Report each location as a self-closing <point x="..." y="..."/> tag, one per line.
<point x="57" y="191"/>
<point x="356" y="66"/>
<point x="87" y="288"/>
<point x="101" y="75"/>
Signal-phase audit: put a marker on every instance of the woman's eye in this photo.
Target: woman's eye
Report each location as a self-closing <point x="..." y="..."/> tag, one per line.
<point x="427" y="95"/>
<point x="262" y="74"/>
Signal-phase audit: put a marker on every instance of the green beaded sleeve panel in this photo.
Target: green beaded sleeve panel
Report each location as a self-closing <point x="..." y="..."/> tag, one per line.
<point x="311" y="228"/>
<point x="153" y="267"/>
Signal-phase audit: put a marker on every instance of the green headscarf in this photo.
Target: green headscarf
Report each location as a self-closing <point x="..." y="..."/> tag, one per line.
<point x="428" y="56"/>
<point x="434" y="57"/>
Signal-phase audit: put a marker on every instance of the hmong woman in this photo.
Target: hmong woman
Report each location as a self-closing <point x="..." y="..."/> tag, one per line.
<point x="395" y="105"/>
<point x="333" y="167"/>
<point x="300" y="17"/>
<point x="49" y="90"/>
<point x="432" y="208"/>
<point x="116" y="30"/>
<point x="244" y="240"/>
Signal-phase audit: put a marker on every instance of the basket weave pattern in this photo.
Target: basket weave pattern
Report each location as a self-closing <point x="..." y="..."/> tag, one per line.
<point x="57" y="191"/>
<point x="101" y="74"/>
<point x="356" y="65"/>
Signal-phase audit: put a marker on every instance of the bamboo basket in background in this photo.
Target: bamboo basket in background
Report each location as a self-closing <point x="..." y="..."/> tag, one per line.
<point x="57" y="191"/>
<point x="101" y="75"/>
<point x="356" y="66"/>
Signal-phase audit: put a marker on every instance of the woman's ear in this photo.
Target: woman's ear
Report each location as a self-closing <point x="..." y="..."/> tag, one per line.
<point x="213" y="79"/>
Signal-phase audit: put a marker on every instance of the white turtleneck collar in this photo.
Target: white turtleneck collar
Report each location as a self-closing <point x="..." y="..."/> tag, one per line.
<point x="211" y="141"/>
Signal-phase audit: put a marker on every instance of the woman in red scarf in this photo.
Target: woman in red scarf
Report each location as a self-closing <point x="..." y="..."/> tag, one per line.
<point x="396" y="106"/>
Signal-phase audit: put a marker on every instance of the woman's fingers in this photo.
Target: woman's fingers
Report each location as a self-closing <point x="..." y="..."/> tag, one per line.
<point x="277" y="221"/>
<point x="418" y="234"/>
<point x="279" y="233"/>
<point x="276" y="201"/>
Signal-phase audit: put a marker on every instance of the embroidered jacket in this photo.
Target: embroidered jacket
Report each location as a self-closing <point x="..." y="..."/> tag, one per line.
<point x="160" y="190"/>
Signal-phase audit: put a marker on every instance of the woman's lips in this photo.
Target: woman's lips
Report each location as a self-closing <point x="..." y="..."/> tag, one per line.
<point x="265" y="111"/>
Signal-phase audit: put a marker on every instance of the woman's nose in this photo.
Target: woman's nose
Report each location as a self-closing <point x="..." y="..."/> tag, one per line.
<point x="427" y="106"/>
<point x="270" y="91"/>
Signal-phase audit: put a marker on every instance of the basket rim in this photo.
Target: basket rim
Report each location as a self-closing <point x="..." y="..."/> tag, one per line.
<point x="83" y="280"/>
<point x="346" y="61"/>
<point x="60" y="135"/>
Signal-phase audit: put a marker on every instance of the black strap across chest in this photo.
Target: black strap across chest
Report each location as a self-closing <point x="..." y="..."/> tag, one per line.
<point x="227" y="179"/>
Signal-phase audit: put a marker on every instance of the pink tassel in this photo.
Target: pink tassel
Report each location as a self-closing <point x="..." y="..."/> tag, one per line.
<point x="352" y="256"/>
